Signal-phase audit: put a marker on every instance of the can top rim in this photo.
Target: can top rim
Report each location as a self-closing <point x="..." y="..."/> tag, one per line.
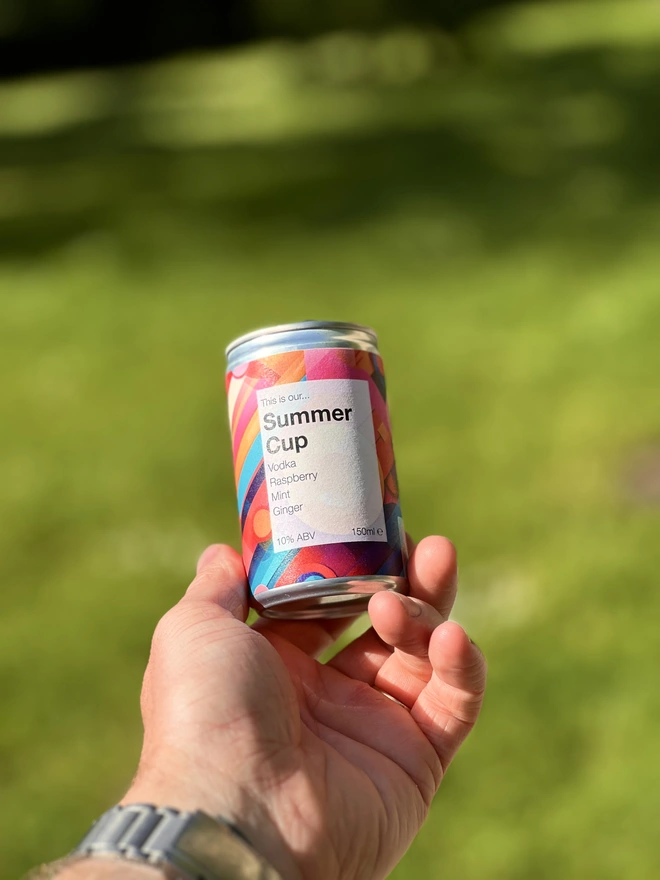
<point x="301" y="325"/>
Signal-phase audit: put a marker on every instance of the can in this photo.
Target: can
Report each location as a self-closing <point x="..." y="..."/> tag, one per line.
<point x="318" y="497"/>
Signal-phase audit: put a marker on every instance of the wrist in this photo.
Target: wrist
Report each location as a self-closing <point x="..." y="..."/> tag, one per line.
<point x="179" y="844"/>
<point x="231" y="805"/>
<point x="108" y="869"/>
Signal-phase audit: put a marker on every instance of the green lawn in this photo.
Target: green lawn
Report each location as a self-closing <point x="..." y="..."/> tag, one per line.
<point x="492" y="207"/>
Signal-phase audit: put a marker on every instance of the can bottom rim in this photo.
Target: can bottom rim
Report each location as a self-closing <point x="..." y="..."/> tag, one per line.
<point x="332" y="597"/>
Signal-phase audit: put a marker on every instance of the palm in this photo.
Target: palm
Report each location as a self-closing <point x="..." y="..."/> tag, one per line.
<point x="371" y="773"/>
<point x="329" y="766"/>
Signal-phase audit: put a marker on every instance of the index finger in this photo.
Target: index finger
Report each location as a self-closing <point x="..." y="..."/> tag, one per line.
<point x="433" y="577"/>
<point x="433" y="573"/>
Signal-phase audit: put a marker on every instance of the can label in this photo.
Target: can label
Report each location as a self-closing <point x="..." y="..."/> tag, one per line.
<point x="315" y="475"/>
<point x="321" y="466"/>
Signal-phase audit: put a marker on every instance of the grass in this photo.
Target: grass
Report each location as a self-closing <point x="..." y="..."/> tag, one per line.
<point x="496" y="219"/>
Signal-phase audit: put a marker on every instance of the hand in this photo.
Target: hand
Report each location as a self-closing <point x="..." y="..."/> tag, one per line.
<point x="326" y="774"/>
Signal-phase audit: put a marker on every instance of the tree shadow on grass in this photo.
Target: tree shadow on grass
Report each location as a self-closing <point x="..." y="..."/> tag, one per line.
<point x="571" y="155"/>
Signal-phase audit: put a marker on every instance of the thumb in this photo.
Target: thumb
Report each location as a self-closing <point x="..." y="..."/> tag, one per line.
<point x="220" y="580"/>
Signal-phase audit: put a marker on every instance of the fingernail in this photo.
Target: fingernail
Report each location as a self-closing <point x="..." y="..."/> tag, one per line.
<point x="413" y="608"/>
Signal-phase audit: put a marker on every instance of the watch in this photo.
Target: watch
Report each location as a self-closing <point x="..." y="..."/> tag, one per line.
<point x="184" y="845"/>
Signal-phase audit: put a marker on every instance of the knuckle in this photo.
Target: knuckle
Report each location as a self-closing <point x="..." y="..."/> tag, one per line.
<point x="167" y="629"/>
<point x="207" y="577"/>
<point x="146" y="693"/>
<point x="475" y="675"/>
<point x="463" y="705"/>
<point x="217" y="584"/>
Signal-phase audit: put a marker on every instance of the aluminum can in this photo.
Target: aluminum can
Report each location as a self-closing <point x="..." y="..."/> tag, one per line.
<point x="318" y="497"/>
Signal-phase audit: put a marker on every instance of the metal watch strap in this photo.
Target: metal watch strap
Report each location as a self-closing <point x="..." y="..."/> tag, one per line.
<point x="184" y="845"/>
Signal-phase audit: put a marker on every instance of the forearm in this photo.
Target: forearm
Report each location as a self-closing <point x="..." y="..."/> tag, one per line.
<point x="98" y="869"/>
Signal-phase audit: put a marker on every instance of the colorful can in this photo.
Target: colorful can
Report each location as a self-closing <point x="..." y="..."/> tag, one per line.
<point x="318" y="497"/>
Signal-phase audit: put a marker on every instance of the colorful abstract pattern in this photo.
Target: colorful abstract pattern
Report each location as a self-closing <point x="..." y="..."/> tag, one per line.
<point x="266" y="568"/>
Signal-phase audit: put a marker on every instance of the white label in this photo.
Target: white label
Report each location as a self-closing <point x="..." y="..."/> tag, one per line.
<point x="321" y="464"/>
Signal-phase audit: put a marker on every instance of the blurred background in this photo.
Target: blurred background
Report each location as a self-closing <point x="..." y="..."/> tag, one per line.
<point x="478" y="181"/>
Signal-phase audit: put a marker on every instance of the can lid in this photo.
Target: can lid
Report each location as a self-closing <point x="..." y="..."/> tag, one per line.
<point x="338" y="326"/>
